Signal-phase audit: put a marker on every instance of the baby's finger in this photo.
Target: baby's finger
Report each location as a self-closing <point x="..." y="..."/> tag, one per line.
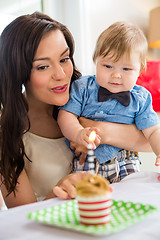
<point x="93" y="145"/>
<point x="85" y="143"/>
<point x="98" y="139"/>
<point x="95" y="129"/>
<point x="86" y="137"/>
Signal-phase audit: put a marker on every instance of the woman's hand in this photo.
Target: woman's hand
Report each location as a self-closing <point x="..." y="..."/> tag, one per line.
<point x="79" y="150"/>
<point x="65" y="188"/>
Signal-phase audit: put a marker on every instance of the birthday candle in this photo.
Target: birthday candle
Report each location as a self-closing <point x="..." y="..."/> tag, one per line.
<point x="91" y="155"/>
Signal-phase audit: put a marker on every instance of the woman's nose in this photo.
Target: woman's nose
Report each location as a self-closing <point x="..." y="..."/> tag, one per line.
<point x="58" y="73"/>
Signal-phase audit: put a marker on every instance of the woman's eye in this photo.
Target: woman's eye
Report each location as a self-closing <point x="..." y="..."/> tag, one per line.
<point x="65" y="59"/>
<point x="108" y="66"/>
<point x="41" y="68"/>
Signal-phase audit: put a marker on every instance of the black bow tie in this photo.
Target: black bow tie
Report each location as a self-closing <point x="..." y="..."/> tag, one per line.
<point x="122" y="97"/>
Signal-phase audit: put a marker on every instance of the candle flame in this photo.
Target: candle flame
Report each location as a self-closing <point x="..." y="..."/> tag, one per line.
<point x="92" y="136"/>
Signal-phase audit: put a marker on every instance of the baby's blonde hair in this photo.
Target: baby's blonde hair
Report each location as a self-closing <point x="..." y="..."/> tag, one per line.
<point x="121" y="38"/>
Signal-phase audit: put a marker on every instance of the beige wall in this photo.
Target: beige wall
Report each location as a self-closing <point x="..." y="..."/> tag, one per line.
<point x="87" y="18"/>
<point x="102" y="13"/>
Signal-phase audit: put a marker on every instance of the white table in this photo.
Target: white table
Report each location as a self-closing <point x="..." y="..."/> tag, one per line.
<point x="139" y="187"/>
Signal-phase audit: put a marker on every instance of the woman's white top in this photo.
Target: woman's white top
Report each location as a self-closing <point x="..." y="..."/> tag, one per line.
<point x="51" y="160"/>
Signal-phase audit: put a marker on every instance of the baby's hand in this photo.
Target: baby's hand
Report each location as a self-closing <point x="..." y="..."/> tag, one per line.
<point x="158" y="163"/>
<point x="83" y="137"/>
<point x="158" y="160"/>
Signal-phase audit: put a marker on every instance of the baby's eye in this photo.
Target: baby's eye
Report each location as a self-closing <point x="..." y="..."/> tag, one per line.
<point x="127" y="69"/>
<point x="41" y="68"/>
<point x="65" y="59"/>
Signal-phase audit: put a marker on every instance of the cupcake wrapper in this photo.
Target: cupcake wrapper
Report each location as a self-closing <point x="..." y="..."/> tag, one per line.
<point x="95" y="221"/>
<point x="95" y="210"/>
<point x="95" y="198"/>
<point x="94" y="205"/>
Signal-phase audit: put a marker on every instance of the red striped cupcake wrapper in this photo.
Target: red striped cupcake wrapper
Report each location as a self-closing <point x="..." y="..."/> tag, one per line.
<point x="95" y="211"/>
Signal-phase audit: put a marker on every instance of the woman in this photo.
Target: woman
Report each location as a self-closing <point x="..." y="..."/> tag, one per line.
<point x="37" y="52"/>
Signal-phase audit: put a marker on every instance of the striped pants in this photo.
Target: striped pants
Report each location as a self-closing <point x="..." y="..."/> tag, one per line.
<point x="114" y="170"/>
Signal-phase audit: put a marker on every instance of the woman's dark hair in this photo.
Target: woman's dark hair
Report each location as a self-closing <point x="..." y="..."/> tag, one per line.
<point x="18" y="44"/>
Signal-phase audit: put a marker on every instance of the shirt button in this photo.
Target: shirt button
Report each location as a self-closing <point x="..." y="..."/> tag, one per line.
<point x="101" y="112"/>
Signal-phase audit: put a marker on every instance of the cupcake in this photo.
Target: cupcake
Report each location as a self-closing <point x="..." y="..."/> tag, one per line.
<point x="94" y="200"/>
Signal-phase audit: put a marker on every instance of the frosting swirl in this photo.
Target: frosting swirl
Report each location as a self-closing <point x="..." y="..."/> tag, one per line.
<point x="93" y="185"/>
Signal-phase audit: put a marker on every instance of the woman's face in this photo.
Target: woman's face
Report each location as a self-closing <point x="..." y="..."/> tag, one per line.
<point x="51" y="71"/>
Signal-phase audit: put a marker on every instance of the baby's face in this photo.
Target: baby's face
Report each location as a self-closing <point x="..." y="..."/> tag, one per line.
<point x="118" y="76"/>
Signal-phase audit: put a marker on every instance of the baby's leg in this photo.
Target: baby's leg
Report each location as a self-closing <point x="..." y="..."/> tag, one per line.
<point x="122" y="165"/>
<point x="129" y="163"/>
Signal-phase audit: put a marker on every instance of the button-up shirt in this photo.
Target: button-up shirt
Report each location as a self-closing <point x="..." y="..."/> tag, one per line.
<point x="83" y="101"/>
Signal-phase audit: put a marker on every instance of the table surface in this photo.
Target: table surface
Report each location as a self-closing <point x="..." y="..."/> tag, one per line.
<point x="140" y="187"/>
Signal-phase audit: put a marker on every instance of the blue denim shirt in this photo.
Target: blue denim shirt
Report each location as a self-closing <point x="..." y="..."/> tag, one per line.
<point x="83" y="101"/>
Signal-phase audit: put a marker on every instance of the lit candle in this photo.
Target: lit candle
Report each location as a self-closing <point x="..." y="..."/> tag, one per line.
<point x="91" y="156"/>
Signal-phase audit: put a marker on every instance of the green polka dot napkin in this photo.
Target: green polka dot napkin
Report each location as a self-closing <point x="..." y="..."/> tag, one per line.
<point x="66" y="215"/>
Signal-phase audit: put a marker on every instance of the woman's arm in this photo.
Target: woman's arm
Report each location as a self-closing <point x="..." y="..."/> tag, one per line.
<point x="125" y="136"/>
<point x="64" y="189"/>
<point x="24" y="193"/>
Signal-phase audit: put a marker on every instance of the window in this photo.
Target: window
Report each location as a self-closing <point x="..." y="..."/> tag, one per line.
<point x="10" y="9"/>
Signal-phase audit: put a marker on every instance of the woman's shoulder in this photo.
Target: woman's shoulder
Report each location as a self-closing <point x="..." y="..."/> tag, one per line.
<point x="83" y="80"/>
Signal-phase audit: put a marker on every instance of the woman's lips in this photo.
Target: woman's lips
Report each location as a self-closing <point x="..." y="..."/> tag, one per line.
<point x="60" y="89"/>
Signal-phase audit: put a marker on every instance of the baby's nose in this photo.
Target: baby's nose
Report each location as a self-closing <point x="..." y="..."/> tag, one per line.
<point x="116" y="75"/>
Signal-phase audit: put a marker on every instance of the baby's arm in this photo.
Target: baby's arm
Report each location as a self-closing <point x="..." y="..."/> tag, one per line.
<point x="73" y="130"/>
<point x="153" y="136"/>
<point x="69" y="125"/>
